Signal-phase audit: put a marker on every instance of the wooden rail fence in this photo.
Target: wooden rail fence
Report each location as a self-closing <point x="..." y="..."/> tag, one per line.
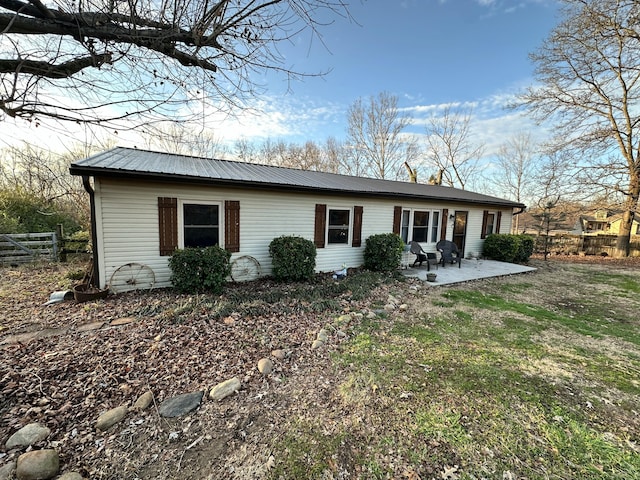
<point x="585" y="245"/>
<point x="17" y="248"/>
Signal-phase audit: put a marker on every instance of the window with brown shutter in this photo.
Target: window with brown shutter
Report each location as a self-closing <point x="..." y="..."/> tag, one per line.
<point x="232" y="226"/>
<point x="357" y="227"/>
<point x="498" y="218"/>
<point x="168" y="225"/>
<point x="320" y="225"/>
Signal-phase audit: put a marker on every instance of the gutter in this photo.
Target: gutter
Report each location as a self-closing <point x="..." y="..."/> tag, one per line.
<point x="522" y="209"/>
<point x="94" y="279"/>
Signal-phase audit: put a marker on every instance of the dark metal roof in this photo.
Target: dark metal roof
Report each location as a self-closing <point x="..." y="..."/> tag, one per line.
<point x="141" y="164"/>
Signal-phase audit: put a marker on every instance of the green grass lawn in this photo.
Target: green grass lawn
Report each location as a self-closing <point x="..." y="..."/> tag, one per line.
<point x="528" y="377"/>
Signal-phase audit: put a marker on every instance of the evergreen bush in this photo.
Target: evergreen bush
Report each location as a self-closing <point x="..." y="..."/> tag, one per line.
<point x="383" y="252"/>
<point x="198" y="270"/>
<point x="292" y="258"/>
<point x="508" y="247"/>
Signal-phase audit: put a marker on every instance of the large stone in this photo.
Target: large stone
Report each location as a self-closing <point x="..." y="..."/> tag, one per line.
<point x="323" y="336"/>
<point x="111" y="417"/>
<point x="265" y="366"/>
<point x="224" y="389"/>
<point x="71" y="476"/>
<point x="28" y="435"/>
<point x="38" y="465"/>
<point x="279" y="354"/>
<point x="180" y="405"/>
<point x="143" y="401"/>
<point x="6" y="471"/>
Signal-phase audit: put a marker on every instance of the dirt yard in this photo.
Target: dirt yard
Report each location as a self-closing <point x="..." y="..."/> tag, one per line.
<point x="63" y="365"/>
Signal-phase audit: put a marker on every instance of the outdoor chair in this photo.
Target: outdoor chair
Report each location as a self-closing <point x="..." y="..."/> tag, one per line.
<point x="422" y="256"/>
<point x="449" y="253"/>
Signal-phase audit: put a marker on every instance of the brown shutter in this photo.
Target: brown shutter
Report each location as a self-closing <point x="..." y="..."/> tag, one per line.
<point x="496" y="229"/>
<point x="443" y="223"/>
<point x="168" y="225"/>
<point x="232" y="226"/>
<point x="357" y="227"/>
<point x="485" y="218"/>
<point x="397" y="217"/>
<point x="320" y="226"/>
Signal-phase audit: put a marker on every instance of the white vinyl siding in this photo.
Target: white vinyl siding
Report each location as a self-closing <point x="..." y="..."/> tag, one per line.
<point x="127" y="223"/>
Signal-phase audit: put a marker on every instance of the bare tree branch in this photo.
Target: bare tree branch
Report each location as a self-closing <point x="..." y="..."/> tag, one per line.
<point x="144" y="55"/>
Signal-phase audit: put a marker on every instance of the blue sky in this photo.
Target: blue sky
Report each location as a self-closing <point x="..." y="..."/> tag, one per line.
<point x="428" y="53"/>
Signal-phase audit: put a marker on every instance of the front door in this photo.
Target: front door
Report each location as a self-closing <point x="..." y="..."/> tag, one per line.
<point x="460" y="230"/>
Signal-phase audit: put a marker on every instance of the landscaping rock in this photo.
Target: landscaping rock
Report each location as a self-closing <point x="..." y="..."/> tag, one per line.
<point x="279" y="354"/>
<point x="224" y="389"/>
<point x="6" y="471"/>
<point x="28" y="435"/>
<point x="38" y="465"/>
<point x="323" y="335"/>
<point x="180" y="405"/>
<point x="143" y="401"/>
<point x="265" y="366"/>
<point x="316" y="344"/>
<point x="122" y="321"/>
<point x="71" y="476"/>
<point x="111" y="417"/>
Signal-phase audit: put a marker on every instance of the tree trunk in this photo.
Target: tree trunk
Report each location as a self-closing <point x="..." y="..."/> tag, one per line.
<point x="624" y="236"/>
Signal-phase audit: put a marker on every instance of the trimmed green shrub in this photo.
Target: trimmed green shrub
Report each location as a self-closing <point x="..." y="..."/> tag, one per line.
<point x="292" y="258"/>
<point x="508" y="248"/>
<point x="383" y="252"/>
<point x="198" y="270"/>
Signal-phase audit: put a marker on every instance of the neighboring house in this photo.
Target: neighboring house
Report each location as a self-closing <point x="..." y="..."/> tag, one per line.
<point x="147" y="204"/>
<point x="602" y="222"/>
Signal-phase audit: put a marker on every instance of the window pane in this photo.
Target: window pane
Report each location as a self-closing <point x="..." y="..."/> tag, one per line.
<point x="404" y="229"/>
<point x="435" y="227"/>
<point x="201" y="225"/>
<point x="490" y="222"/>
<point x="338" y="218"/>
<point x="420" y="226"/>
<point x="200" y="214"/>
<point x="200" y="236"/>
<point x="338" y="228"/>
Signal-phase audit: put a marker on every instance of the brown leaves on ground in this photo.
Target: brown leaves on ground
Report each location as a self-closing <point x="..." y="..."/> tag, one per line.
<point x="177" y="344"/>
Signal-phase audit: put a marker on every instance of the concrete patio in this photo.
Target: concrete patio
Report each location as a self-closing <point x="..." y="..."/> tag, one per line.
<point x="471" y="269"/>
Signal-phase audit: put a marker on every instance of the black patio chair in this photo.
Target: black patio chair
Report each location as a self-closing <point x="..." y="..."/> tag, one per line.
<point x="449" y="253"/>
<point x="422" y="256"/>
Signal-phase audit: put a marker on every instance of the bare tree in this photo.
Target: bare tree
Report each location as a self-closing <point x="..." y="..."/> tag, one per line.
<point x="516" y="161"/>
<point x="183" y="140"/>
<point x="588" y="83"/>
<point x="104" y="60"/>
<point x="549" y="191"/>
<point x="375" y="134"/>
<point x="450" y="147"/>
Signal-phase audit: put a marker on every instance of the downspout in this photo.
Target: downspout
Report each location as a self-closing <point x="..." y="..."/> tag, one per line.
<point x="94" y="236"/>
<point x="522" y="209"/>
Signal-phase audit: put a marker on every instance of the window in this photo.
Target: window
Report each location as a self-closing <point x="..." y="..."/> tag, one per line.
<point x="338" y="226"/>
<point x="183" y="224"/>
<point x="491" y="220"/>
<point x="490" y="223"/>
<point x="201" y="225"/>
<point x="420" y="226"/>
